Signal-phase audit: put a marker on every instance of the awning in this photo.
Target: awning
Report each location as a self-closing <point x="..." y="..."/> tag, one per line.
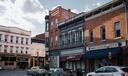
<point x="103" y="53"/>
<point x="71" y="58"/>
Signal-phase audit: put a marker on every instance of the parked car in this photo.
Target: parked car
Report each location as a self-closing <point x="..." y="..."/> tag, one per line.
<point x="33" y="70"/>
<point x="41" y="72"/>
<point x="56" y="72"/>
<point x="110" y="71"/>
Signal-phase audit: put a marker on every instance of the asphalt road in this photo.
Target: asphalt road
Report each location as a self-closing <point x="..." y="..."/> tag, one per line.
<point x="13" y="73"/>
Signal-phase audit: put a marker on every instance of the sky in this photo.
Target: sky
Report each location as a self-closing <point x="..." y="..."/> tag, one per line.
<point x="29" y="14"/>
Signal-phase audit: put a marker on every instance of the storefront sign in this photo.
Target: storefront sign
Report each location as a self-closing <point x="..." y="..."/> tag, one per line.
<point x="71" y="58"/>
<point x="104" y="46"/>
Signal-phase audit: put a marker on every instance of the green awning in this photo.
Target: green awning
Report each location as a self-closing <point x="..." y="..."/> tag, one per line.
<point x="103" y="53"/>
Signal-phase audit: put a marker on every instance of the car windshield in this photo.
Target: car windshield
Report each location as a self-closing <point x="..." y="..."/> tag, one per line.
<point x="125" y="69"/>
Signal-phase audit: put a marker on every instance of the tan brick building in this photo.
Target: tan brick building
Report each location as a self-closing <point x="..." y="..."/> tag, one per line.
<point x="106" y="35"/>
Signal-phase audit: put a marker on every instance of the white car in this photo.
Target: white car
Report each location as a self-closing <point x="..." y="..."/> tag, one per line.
<point x="33" y="70"/>
<point x="110" y="71"/>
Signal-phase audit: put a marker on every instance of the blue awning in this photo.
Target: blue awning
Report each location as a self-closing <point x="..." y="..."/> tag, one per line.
<point x="103" y="53"/>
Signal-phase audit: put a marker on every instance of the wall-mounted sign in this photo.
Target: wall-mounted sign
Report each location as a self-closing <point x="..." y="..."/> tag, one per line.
<point x="104" y="46"/>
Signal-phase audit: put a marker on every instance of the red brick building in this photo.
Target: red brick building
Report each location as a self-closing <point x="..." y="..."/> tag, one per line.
<point x="106" y="35"/>
<point x="55" y="16"/>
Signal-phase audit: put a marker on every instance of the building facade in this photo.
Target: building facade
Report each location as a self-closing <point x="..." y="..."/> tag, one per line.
<point x="55" y="16"/>
<point x="14" y="47"/>
<point x="72" y="43"/>
<point x="37" y="52"/>
<point x="106" y="36"/>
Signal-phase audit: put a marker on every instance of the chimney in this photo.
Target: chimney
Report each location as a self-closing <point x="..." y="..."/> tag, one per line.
<point x="69" y="10"/>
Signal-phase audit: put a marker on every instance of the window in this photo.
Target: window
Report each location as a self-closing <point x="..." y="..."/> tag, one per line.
<point x="22" y="40"/>
<point x="110" y="69"/>
<point x="117" y="29"/>
<point x="22" y="50"/>
<point x="17" y="48"/>
<point x="47" y="27"/>
<point x="103" y="33"/>
<point x="26" y="40"/>
<point x="56" y="38"/>
<point x="56" y="21"/>
<point x="52" y="23"/>
<point x="91" y="36"/>
<point x="73" y="37"/>
<point x="80" y="35"/>
<point x="11" y="49"/>
<point x="26" y="52"/>
<point x="17" y="39"/>
<point x="6" y="38"/>
<point x="5" y="48"/>
<point x="0" y="47"/>
<point x="11" y="39"/>
<point x="0" y="37"/>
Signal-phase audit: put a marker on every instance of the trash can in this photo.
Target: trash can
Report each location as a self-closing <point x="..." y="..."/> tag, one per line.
<point x="79" y="72"/>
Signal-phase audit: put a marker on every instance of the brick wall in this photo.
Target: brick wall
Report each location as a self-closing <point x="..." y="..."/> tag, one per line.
<point x="108" y="21"/>
<point x="61" y="14"/>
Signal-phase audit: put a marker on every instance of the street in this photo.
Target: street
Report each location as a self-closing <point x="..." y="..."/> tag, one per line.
<point x="13" y="73"/>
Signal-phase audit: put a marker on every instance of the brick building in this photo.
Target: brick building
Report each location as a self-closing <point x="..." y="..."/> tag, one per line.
<point x="106" y="35"/>
<point x="55" y="16"/>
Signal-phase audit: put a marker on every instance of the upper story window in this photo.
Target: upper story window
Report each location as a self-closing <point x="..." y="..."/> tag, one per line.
<point x="6" y="38"/>
<point x="26" y="52"/>
<point x="22" y="50"/>
<point x="0" y="37"/>
<point x="17" y="48"/>
<point x="11" y="49"/>
<point x="17" y="38"/>
<point x="56" y="21"/>
<point x="5" y="48"/>
<point x="47" y="27"/>
<point x="26" y="40"/>
<point x="11" y="39"/>
<point x="52" y="23"/>
<point x="0" y="48"/>
<point x="103" y="32"/>
<point x="91" y="36"/>
<point x="117" y="29"/>
<point x="22" y="40"/>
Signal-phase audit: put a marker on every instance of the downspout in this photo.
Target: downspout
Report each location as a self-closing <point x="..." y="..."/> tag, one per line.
<point x="126" y="18"/>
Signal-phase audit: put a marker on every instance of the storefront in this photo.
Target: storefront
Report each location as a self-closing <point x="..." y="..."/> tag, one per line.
<point x="125" y="56"/>
<point x="8" y="61"/>
<point x="72" y="58"/>
<point x="54" y="58"/>
<point x="103" y="57"/>
<point x="72" y="62"/>
<point x="105" y="54"/>
<point x="23" y="61"/>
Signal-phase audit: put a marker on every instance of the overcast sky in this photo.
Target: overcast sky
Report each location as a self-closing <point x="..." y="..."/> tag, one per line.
<point x="29" y="14"/>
